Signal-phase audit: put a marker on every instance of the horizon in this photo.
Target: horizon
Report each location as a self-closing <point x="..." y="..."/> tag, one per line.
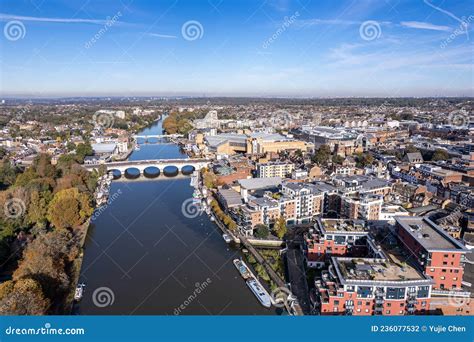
<point x="266" y="49"/>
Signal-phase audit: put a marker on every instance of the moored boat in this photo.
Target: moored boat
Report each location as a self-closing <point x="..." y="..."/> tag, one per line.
<point x="79" y="292"/>
<point x="242" y="268"/>
<point x="259" y="292"/>
<point x="226" y="238"/>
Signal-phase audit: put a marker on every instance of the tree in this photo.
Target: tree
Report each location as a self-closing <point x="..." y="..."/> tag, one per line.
<point x="280" y="227"/>
<point x="261" y="231"/>
<point x="337" y="159"/>
<point x="440" y="155"/>
<point x="46" y="260"/>
<point x="22" y="297"/>
<point x="69" y="208"/>
<point x="38" y="209"/>
<point x="364" y="159"/>
<point x="322" y="155"/>
<point x="83" y="150"/>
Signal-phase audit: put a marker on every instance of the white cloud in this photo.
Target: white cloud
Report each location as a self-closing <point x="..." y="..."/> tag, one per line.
<point x="159" y="35"/>
<point x="424" y="26"/>
<point x="8" y="17"/>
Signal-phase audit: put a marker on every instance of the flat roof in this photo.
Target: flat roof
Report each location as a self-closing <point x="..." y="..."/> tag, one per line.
<point x="366" y="270"/>
<point x="259" y="183"/>
<point x="343" y="226"/>
<point x="428" y="234"/>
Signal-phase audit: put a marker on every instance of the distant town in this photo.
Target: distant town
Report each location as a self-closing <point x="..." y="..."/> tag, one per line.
<point x="344" y="206"/>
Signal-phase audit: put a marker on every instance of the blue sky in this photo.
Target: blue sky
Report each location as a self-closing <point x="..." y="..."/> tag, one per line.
<point x="296" y="48"/>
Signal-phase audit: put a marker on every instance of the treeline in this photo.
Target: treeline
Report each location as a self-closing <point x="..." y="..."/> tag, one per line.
<point x="43" y="219"/>
<point x="223" y="217"/>
<point x="180" y="123"/>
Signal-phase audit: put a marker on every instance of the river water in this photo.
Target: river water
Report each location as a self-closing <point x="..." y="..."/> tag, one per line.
<point x="143" y="256"/>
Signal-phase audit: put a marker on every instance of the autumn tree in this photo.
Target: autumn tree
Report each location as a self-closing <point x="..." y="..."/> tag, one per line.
<point x="22" y="297"/>
<point x="280" y="227"/>
<point x="46" y="260"/>
<point x="69" y="208"/>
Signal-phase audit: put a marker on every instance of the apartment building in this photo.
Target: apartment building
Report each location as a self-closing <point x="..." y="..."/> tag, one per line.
<point x="437" y="254"/>
<point x="366" y="286"/>
<point x="274" y="169"/>
<point x="361" y="207"/>
<point x="308" y="200"/>
<point x="334" y="237"/>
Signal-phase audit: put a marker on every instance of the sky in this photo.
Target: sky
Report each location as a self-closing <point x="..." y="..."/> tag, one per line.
<point x="258" y="48"/>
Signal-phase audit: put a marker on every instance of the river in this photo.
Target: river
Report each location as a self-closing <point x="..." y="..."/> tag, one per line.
<point x="143" y="256"/>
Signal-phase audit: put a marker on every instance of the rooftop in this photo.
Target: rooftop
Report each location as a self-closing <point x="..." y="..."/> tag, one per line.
<point x="341" y="225"/>
<point x="376" y="270"/>
<point x="428" y="234"/>
<point x="259" y="183"/>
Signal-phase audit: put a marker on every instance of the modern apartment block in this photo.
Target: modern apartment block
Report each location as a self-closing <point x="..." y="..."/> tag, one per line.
<point x="308" y="200"/>
<point x="274" y="169"/>
<point x="409" y="270"/>
<point x="334" y="237"/>
<point x="366" y="286"/>
<point x="439" y="255"/>
<point x="361" y="207"/>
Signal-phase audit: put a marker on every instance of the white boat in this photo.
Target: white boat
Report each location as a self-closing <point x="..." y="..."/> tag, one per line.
<point x="242" y="268"/>
<point x="137" y="147"/>
<point x="259" y="292"/>
<point x="226" y="238"/>
<point x="79" y="292"/>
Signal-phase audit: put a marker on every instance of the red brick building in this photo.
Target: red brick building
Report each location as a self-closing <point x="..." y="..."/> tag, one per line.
<point x="438" y="255"/>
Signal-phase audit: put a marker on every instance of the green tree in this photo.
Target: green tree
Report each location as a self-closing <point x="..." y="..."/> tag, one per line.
<point x="83" y="150"/>
<point x="440" y="155"/>
<point x="69" y="208"/>
<point x="364" y="159"/>
<point x="322" y="155"/>
<point x="337" y="159"/>
<point x="261" y="231"/>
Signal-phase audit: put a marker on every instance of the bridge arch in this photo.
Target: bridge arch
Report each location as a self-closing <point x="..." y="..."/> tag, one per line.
<point x="115" y="173"/>
<point x="151" y="172"/>
<point x="170" y="171"/>
<point x="187" y="169"/>
<point x="132" y="173"/>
